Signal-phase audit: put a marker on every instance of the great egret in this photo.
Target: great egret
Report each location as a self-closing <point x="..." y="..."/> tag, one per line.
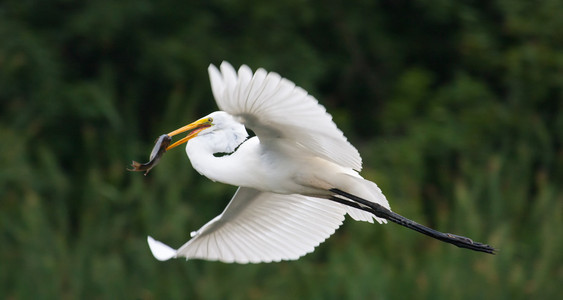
<point x="298" y="177"/>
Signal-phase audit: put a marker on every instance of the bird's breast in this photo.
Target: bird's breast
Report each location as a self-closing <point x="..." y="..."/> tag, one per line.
<point x="269" y="169"/>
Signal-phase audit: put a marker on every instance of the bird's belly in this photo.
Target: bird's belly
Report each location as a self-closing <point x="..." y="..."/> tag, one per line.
<point x="291" y="176"/>
<point x="282" y="170"/>
<point x="277" y="178"/>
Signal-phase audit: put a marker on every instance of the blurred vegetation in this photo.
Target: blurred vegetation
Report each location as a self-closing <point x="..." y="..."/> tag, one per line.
<point x="456" y="107"/>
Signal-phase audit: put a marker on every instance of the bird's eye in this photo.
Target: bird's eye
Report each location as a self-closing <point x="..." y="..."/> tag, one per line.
<point x="210" y="120"/>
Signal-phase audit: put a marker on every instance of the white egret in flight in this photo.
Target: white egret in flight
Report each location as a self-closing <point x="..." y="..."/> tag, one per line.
<point x="297" y="178"/>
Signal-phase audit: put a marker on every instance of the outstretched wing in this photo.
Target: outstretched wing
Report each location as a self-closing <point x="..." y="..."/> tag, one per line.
<point x="260" y="227"/>
<point x="274" y="108"/>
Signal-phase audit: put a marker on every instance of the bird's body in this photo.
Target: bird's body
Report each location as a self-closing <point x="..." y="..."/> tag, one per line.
<point x="269" y="167"/>
<point x="252" y="166"/>
<point x="287" y="174"/>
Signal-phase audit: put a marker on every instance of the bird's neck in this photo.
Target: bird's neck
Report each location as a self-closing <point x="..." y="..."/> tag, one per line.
<point x="205" y="156"/>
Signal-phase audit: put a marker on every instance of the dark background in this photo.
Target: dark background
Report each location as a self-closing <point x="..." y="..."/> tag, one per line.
<point x="456" y="107"/>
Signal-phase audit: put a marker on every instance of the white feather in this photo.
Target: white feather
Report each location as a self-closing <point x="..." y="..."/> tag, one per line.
<point x="260" y="227"/>
<point x="159" y="250"/>
<point x="273" y="107"/>
<point x="284" y="174"/>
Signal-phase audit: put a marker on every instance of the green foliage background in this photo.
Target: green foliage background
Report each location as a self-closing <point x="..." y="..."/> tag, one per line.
<point x="456" y="107"/>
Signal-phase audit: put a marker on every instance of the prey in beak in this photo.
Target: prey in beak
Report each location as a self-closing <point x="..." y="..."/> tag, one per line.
<point x="162" y="144"/>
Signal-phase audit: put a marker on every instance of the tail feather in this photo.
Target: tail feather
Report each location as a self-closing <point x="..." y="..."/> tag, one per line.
<point x="367" y="190"/>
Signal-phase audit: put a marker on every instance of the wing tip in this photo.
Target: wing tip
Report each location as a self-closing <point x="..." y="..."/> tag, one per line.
<point x="160" y="250"/>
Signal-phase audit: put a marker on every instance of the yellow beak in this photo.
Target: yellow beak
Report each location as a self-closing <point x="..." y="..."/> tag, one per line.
<point x="195" y="128"/>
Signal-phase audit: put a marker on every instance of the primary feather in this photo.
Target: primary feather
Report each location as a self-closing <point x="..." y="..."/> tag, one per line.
<point x="266" y="103"/>
<point x="264" y="227"/>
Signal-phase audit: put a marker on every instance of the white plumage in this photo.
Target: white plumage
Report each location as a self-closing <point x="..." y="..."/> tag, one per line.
<point x="267" y="227"/>
<point x="273" y="107"/>
<point x="280" y="211"/>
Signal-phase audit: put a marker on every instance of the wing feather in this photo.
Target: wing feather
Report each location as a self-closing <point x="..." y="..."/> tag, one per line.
<point x="275" y="108"/>
<point x="260" y="227"/>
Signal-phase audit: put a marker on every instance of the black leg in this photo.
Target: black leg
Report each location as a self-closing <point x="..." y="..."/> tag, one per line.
<point x="382" y="212"/>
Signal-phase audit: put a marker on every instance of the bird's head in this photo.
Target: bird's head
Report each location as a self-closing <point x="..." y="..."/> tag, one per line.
<point x="216" y="122"/>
